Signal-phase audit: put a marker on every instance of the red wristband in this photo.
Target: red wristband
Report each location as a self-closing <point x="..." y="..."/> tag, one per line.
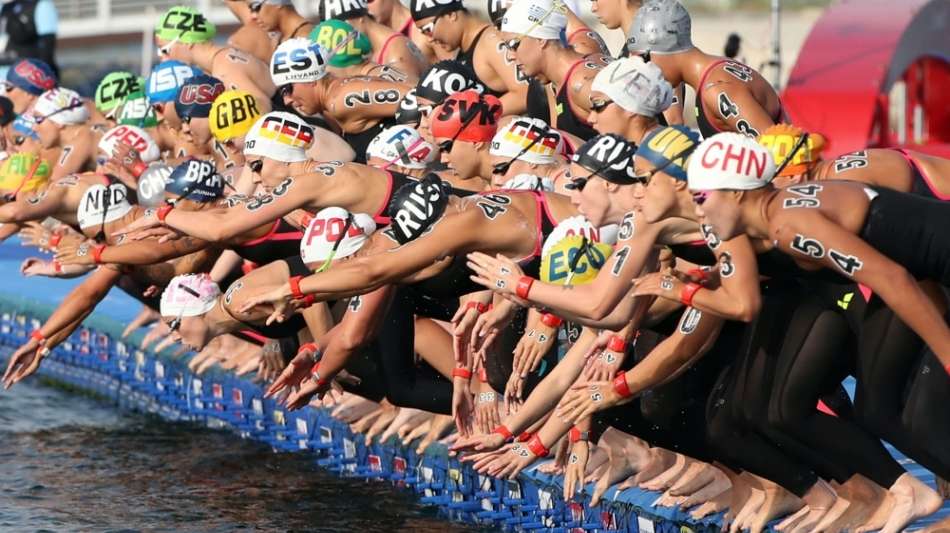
<point x="310" y="346"/>
<point x="57" y="267"/>
<point x="97" y="253"/>
<point x="163" y="212"/>
<point x="38" y="336"/>
<point x="294" y="282"/>
<point x="537" y="447"/>
<point x="315" y="374"/>
<point x="617" y="344"/>
<point x="620" y="385"/>
<point x="525" y="436"/>
<point x="478" y="306"/>
<point x="461" y="373"/>
<point x="55" y="239"/>
<point x="687" y="292"/>
<point x="503" y="431"/>
<point x="576" y="435"/>
<point x="551" y="321"/>
<point x="139" y="168"/>
<point x="524" y="286"/>
<point x="699" y="273"/>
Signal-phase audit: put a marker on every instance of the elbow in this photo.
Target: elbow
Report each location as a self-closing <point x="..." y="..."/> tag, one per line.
<point x="748" y="309"/>
<point x="352" y="338"/>
<point x="219" y="232"/>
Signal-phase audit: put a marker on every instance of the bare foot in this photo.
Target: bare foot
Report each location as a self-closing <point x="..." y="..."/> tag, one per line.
<point x="745" y="515"/>
<point x="865" y="497"/>
<point x="697" y="476"/>
<point x="819" y="499"/>
<point x="618" y="469"/>
<point x="741" y="490"/>
<point x="778" y="502"/>
<point x="713" y="506"/>
<point x="912" y="500"/>
<point x="382" y="422"/>
<point x="668" y="477"/>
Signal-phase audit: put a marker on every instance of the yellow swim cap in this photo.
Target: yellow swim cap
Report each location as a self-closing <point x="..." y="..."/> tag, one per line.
<point x="24" y="172"/>
<point x="781" y="140"/>
<point x="232" y="114"/>
<point x="584" y="255"/>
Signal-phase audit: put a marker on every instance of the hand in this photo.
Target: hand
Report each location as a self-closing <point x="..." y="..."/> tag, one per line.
<point x="603" y="366"/>
<point x="498" y="273"/>
<point x="308" y="389"/>
<point x="24" y="362"/>
<point x="463" y="324"/>
<point x="489" y="324"/>
<point x="75" y="253"/>
<point x="292" y="376"/>
<point x="159" y="234"/>
<point x="462" y="408"/>
<point x="118" y="170"/>
<point x="576" y="469"/>
<point x="35" y="234"/>
<point x="514" y="393"/>
<point x="479" y="443"/>
<point x="486" y="411"/>
<point x="665" y="285"/>
<point x="159" y="331"/>
<point x="585" y="399"/>
<point x="509" y="465"/>
<point x="531" y="348"/>
<point x="146" y="222"/>
<point x="278" y="298"/>
<point x="272" y="361"/>
<point x="35" y="266"/>
<point x="145" y="317"/>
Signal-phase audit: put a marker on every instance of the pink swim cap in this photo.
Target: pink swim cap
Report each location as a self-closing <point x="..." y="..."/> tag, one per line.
<point x="189" y="295"/>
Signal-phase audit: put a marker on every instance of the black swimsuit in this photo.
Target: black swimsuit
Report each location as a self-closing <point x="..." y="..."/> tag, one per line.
<point x="282" y="241"/>
<point x="703" y="122"/>
<point x="567" y="120"/>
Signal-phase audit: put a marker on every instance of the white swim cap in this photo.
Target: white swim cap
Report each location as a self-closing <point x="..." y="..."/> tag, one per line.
<point x="133" y="136"/>
<point x="298" y="60"/>
<point x="335" y="233"/>
<point x="281" y="136"/>
<point x="634" y="85"/>
<point x="575" y="225"/>
<point x="529" y="182"/>
<point x="545" y="142"/>
<point x="151" y="190"/>
<point x="402" y="146"/>
<point x="189" y="295"/>
<point x="541" y="19"/>
<point x="62" y="106"/>
<point x="101" y="204"/>
<point x="730" y="161"/>
<point x="660" y="27"/>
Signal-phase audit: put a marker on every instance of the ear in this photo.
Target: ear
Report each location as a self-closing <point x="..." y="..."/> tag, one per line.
<point x="679" y="185"/>
<point x="738" y="195"/>
<point x="611" y="187"/>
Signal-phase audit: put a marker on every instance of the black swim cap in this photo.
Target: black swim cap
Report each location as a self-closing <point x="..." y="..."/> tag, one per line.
<point x="340" y="9"/>
<point x="608" y="157"/>
<point x="423" y="9"/>
<point x="416" y="206"/>
<point x="195" y="180"/>
<point x="445" y="78"/>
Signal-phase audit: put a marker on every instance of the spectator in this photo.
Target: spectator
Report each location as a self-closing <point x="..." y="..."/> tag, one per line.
<point x="28" y="30"/>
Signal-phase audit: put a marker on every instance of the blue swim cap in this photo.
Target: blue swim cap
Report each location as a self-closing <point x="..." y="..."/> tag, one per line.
<point x="195" y="180"/>
<point x="25" y="125"/>
<point x="196" y="95"/>
<point x="669" y="147"/>
<point x="166" y="78"/>
<point x="32" y="75"/>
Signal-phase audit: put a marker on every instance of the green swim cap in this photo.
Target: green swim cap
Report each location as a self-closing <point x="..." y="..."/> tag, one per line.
<point x="137" y="111"/>
<point x="330" y="33"/>
<point x="185" y="24"/>
<point x="115" y="88"/>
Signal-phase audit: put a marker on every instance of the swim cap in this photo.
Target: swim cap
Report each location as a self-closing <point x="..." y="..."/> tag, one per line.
<point x="416" y="206"/>
<point x="186" y="24"/>
<point x="136" y="111"/>
<point x="781" y="140"/>
<point x="402" y="146"/>
<point x="325" y="233"/>
<point x="466" y="116"/>
<point x="195" y="180"/>
<point x="666" y="144"/>
<point x="566" y="247"/>
<point x="422" y="9"/>
<point x="281" y="136"/>
<point x="62" y="106"/>
<point x="25" y="125"/>
<point x="196" y="95"/>
<point x="445" y="78"/>
<point x="545" y="142"/>
<point x="540" y="19"/>
<point x="340" y="9"/>
<point x="189" y="295"/>
<point x="101" y="204"/>
<point x="232" y="114"/>
<point x="634" y="85"/>
<point x="151" y="186"/>
<point x="330" y="33"/>
<point x="24" y="172"/>
<point x="132" y="136"/>
<point x="114" y="88"/>
<point x="31" y="75"/>
<point x="608" y="157"/>
<point x="529" y="182"/>
<point x="730" y="161"/>
<point x="298" y="61"/>
<point x="166" y="78"/>
<point x="661" y="27"/>
<point x="497" y="9"/>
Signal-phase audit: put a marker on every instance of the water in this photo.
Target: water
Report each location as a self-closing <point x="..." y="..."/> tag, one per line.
<point x="70" y="463"/>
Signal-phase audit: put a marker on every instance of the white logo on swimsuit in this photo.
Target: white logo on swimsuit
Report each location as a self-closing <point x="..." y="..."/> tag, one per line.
<point x="90" y="212"/>
<point x="335" y="8"/>
<point x="417" y="209"/>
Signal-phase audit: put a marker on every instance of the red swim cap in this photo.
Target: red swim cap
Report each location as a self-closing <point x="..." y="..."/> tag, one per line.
<point x="466" y="116"/>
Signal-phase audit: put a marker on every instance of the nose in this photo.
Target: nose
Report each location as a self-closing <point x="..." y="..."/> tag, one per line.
<point x="592" y="117"/>
<point x="288" y="99"/>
